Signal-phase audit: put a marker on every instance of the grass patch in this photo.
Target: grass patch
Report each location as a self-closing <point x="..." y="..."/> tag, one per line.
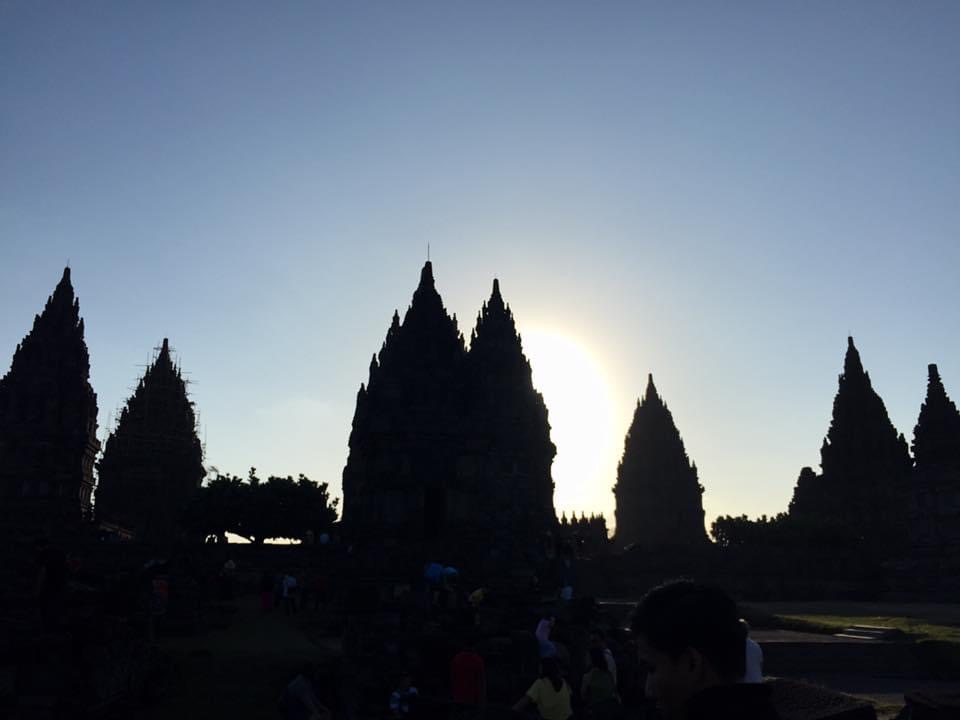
<point x="933" y="629"/>
<point x="915" y="628"/>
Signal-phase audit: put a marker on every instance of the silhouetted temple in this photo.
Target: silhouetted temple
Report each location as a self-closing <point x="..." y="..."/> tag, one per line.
<point x="861" y="493"/>
<point x="587" y="535"/>
<point x="152" y="464"/>
<point x="509" y="435"/>
<point x="935" y="490"/>
<point x="659" y="498"/>
<point x="446" y="444"/>
<point x="48" y="417"/>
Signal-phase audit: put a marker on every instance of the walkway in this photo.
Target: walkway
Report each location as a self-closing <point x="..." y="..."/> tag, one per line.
<point x="237" y="672"/>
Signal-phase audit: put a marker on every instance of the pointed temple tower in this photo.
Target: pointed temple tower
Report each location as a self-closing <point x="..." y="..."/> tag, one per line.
<point x="446" y="446"/>
<point x="510" y="438"/>
<point x="408" y="426"/>
<point x="935" y="492"/>
<point x="659" y="498"/>
<point x="48" y="418"/>
<point x="936" y="437"/>
<point x="152" y="464"/>
<point x="862" y="488"/>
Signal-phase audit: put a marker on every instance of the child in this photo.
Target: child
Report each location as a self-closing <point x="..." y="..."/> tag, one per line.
<point x="403" y="699"/>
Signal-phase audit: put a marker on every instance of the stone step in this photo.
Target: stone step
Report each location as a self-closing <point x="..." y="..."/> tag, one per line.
<point x="851" y="635"/>
<point x="871" y="632"/>
<point x="879" y="628"/>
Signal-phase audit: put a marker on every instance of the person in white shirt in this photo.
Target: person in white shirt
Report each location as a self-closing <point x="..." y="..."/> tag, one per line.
<point x="547" y="648"/>
<point x="300" y="701"/>
<point x="599" y="640"/>
<point x="754" y="657"/>
<point x="288" y="589"/>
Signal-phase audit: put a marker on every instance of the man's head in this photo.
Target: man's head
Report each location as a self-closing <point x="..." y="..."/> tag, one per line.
<point x="690" y="638"/>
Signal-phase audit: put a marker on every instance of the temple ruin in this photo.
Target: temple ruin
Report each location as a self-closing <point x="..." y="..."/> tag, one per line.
<point x="861" y="495"/>
<point x="152" y="463"/>
<point x="659" y="497"/>
<point x="48" y="419"/>
<point x="449" y="444"/>
<point x="934" y="509"/>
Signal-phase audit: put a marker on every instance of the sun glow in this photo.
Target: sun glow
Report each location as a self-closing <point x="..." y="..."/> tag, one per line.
<point x="582" y="420"/>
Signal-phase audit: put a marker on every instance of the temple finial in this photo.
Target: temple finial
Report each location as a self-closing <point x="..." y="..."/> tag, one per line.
<point x="426" y="275"/>
<point x="851" y="363"/>
<point x="651" y="391"/>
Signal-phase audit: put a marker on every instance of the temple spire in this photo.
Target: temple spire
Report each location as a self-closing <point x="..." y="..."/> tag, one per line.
<point x="415" y="382"/>
<point x="860" y="495"/>
<point x="658" y="492"/>
<point x="426" y="276"/>
<point x="47" y="445"/>
<point x="852" y="365"/>
<point x="152" y="463"/>
<point x="511" y="419"/>
<point x="65" y="286"/>
<point x="496" y="299"/>
<point x="936" y="437"/>
<point x="650" y="394"/>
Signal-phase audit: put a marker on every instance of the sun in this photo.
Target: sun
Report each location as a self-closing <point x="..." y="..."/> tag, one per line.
<point x="582" y="419"/>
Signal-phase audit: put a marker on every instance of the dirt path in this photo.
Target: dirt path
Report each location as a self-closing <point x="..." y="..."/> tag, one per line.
<point x="237" y="672"/>
<point x="885" y="693"/>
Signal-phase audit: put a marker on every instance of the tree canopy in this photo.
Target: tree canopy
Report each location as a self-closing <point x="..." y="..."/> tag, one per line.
<point x="258" y="510"/>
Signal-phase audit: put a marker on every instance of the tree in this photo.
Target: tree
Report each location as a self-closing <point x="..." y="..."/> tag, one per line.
<point x="729" y="531"/>
<point x="258" y="510"/>
<point x="217" y="508"/>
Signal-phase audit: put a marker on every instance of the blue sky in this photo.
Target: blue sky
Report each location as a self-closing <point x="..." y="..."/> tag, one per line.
<point x="716" y="195"/>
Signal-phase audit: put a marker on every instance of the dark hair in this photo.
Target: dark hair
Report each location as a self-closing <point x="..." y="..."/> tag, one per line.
<point x="550" y="669"/>
<point x="309" y="670"/>
<point x="598" y="659"/>
<point x="470" y="639"/>
<point x="684" y="614"/>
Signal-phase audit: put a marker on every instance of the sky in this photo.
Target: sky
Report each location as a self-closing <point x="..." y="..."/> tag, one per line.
<point x="717" y="194"/>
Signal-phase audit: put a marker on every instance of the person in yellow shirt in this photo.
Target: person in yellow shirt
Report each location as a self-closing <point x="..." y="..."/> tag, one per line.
<point x="550" y="694"/>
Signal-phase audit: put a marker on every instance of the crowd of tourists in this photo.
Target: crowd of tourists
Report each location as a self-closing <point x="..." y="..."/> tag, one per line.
<point x="696" y="660"/>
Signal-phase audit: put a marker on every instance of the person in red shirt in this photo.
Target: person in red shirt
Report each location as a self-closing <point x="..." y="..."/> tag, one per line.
<point x="468" y="677"/>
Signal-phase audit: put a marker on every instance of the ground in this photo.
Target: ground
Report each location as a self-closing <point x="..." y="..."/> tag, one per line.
<point x="924" y="621"/>
<point x="935" y="627"/>
<point x="239" y="671"/>
<point x="236" y="672"/>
